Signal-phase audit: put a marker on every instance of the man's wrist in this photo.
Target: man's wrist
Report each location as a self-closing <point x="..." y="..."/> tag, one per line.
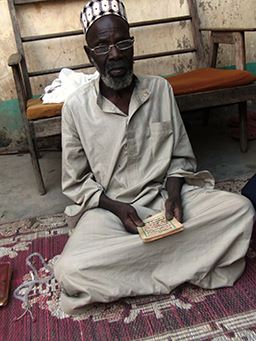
<point x="174" y="186"/>
<point x="107" y="204"/>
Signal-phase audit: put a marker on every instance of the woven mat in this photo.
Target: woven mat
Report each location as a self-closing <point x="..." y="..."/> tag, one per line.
<point x="188" y="313"/>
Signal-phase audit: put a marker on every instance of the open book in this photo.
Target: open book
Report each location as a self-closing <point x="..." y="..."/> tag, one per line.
<point x="157" y="227"/>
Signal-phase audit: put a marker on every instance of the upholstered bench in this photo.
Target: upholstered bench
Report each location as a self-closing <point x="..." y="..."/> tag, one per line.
<point x="199" y="80"/>
<point x="198" y="89"/>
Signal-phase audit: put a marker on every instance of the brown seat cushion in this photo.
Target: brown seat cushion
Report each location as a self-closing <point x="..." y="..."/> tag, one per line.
<point x="208" y="79"/>
<point x="36" y="109"/>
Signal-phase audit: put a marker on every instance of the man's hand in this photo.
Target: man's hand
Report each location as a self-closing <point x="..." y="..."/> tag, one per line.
<point x="173" y="208"/>
<point x="173" y="205"/>
<point x="129" y="217"/>
<point x="125" y="212"/>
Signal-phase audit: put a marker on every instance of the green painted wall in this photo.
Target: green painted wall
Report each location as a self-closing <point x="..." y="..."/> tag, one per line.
<point x="12" y="137"/>
<point x="251" y="67"/>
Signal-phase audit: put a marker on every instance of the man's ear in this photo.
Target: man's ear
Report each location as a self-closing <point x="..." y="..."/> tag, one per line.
<point x="88" y="53"/>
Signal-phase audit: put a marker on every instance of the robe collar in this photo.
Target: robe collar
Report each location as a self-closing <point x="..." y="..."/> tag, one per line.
<point x="139" y="96"/>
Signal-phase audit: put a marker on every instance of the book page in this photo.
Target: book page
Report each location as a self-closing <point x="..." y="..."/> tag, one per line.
<point x="157" y="227"/>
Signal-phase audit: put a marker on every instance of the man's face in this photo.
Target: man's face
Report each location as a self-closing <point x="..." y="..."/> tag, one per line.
<point x="116" y="66"/>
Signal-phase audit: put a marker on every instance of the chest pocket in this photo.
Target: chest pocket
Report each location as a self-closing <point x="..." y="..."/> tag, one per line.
<point x="161" y="139"/>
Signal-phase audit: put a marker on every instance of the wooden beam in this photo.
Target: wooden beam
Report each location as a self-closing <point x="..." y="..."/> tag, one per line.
<point x="160" y="21"/>
<point x="196" y="33"/>
<point x="228" y="29"/>
<point x="25" y="2"/>
<point x="88" y="65"/>
<point x="56" y="70"/>
<point x="47" y="126"/>
<point x="80" y="32"/>
<point x="51" y="36"/>
<point x="223" y="37"/>
<point x="19" y="45"/>
<point x="164" y="54"/>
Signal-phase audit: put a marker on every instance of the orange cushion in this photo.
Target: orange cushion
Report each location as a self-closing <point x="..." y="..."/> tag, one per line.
<point x="36" y="109"/>
<point x="209" y="79"/>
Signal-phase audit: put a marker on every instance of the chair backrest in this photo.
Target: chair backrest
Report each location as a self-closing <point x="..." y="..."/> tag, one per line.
<point x="23" y="40"/>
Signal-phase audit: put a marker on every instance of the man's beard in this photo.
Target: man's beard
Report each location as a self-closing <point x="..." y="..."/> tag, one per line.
<point x="118" y="83"/>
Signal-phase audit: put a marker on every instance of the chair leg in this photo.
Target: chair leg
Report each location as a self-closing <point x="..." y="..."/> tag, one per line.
<point x="32" y="134"/>
<point x="35" y="162"/>
<point x="243" y="126"/>
<point x="37" y="172"/>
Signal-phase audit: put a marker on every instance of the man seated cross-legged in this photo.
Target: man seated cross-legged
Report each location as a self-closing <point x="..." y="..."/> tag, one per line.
<point x="126" y="156"/>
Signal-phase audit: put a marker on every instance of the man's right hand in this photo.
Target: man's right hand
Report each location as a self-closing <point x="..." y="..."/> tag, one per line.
<point x="128" y="216"/>
<point x="125" y="212"/>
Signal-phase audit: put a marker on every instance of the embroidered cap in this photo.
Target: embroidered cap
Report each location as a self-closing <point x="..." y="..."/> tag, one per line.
<point x="96" y="9"/>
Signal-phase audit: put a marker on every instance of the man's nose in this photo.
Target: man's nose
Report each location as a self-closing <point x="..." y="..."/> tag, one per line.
<point x="114" y="52"/>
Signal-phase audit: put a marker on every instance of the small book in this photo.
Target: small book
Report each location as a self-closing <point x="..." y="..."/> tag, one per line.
<point x="157" y="226"/>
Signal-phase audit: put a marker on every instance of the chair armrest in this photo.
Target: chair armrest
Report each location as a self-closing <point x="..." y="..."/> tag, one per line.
<point x="14" y="59"/>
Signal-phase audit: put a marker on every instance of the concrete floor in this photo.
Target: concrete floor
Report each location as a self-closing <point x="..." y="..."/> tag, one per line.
<point x="214" y="148"/>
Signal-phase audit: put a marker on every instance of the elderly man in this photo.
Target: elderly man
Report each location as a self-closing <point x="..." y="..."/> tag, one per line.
<point x="126" y="155"/>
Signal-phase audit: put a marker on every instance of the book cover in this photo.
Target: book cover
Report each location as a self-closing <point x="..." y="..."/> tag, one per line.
<point x="157" y="226"/>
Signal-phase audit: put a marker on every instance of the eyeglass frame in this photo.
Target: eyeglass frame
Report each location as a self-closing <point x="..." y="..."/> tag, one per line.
<point x="131" y="39"/>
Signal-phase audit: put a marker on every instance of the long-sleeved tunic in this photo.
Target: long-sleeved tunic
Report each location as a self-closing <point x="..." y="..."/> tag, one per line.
<point x="129" y="157"/>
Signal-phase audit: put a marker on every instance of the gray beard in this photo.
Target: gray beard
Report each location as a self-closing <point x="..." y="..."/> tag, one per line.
<point x="118" y="83"/>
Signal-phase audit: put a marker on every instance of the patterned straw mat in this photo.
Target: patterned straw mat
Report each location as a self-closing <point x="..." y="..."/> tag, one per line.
<point x="188" y="313"/>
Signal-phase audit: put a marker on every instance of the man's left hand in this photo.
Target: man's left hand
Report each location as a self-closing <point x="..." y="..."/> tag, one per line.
<point x="173" y="205"/>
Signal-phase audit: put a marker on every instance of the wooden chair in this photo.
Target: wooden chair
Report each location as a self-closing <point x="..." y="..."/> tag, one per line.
<point x="44" y="120"/>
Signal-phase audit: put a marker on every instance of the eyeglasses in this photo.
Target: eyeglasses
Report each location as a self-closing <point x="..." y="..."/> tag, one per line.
<point x="120" y="45"/>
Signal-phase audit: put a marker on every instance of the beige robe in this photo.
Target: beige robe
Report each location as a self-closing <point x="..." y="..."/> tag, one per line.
<point x="129" y="157"/>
